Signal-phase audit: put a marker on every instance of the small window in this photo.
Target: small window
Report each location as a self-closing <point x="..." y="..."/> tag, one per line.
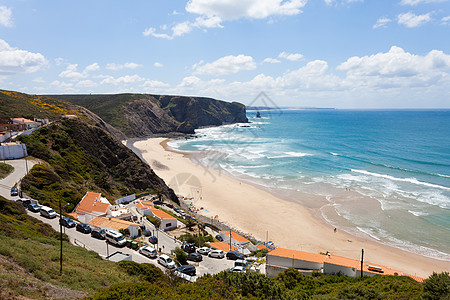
<point x="168" y="224"/>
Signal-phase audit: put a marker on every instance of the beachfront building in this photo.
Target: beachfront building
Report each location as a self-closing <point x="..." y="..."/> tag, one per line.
<point x="26" y="123"/>
<point x="92" y="205"/>
<point x="280" y="259"/>
<point x="168" y="222"/>
<point x="108" y="223"/>
<point x="242" y="244"/>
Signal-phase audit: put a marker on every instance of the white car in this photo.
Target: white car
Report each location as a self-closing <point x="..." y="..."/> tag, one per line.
<point x="148" y="251"/>
<point x="237" y="269"/>
<point x="166" y="261"/>
<point x="216" y="254"/>
<point x="204" y="250"/>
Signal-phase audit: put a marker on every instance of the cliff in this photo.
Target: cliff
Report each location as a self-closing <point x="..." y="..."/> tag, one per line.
<point x="140" y="115"/>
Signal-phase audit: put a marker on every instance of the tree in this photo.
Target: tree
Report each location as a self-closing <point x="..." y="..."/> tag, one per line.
<point x="125" y="231"/>
<point x="180" y="256"/>
<point x="437" y="286"/>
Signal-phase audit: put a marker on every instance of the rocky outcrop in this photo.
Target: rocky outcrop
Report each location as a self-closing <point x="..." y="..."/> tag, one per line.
<point x="140" y="115"/>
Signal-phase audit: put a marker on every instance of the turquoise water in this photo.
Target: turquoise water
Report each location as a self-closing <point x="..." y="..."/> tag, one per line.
<point x="381" y="174"/>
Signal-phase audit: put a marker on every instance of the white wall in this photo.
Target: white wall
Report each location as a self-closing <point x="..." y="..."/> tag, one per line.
<point x="126" y="199"/>
<point x="13" y="151"/>
<point x="292" y="263"/>
<point x="336" y="269"/>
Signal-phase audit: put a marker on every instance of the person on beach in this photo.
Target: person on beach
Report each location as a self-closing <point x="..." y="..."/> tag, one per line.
<point x="335" y="229"/>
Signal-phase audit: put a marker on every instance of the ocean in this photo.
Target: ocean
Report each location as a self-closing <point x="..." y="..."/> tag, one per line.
<point x="379" y="174"/>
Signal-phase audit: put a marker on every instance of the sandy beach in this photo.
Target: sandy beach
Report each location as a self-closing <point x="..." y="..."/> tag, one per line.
<point x="256" y="211"/>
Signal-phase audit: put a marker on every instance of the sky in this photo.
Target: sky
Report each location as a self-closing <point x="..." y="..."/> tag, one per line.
<point x="299" y="53"/>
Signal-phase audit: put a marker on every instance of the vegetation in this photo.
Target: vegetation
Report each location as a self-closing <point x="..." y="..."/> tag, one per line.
<point x="154" y="221"/>
<point x="80" y="157"/>
<point x="5" y="170"/>
<point x="14" y="104"/>
<point x="180" y="256"/>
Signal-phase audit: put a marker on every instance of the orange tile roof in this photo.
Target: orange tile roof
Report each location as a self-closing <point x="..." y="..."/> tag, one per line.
<point x="282" y="252"/>
<point x="142" y="206"/>
<point x="236" y="236"/>
<point x="261" y="247"/>
<point x="91" y="202"/>
<point x="23" y="120"/>
<point x="147" y="203"/>
<point x="161" y="214"/>
<point x="111" y="223"/>
<point x="222" y="246"/>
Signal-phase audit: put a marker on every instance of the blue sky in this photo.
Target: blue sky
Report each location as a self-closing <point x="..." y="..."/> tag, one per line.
<point x="321" y="53"/>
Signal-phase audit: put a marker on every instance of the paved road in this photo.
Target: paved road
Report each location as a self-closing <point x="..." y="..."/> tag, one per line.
<point x="20" y="170"/>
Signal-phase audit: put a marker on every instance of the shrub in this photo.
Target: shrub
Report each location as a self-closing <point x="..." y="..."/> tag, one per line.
<point x="180" y="256"/>
<point x="146" y="272"/>
<point x="437" y="286"/>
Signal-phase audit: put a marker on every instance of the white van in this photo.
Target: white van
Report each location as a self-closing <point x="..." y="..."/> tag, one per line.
<point x="48" y="212"/>
<point x="115" y="238"/>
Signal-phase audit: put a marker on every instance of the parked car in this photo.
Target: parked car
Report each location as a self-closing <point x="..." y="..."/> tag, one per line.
<point x="146" y="232"/>
<point x="148" y="251"/>
<point x="98" y="233"/>
<point x="187" y="269"/>
<point x="153" y="240"/>
<point x="14" y="191"/>
<point x="237" y="269"/>
<point x="157" y="202"/>
<point x="166" y="261"/>
<point x="34" y="207"/>
<point x="233" y="255"/>
<point x="115" y="238"/>
<point x="47" y="212"/>
<point x="67" y="222"/>
<point x="216" y="254"/>
<point x="195" y="257"/>
<point x="84" y="228"/>
<point x="25" y="201"/>
<point x="241" y="263"/>
<point x="219" y="238"/>
<point x="188" y="247"/>
<point x="204" y="250"/>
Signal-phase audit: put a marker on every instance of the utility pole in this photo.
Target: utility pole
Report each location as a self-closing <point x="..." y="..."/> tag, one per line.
<point x="230" y="240"/>
<point x="362" y="262"/>
<point x="60" y="238"/>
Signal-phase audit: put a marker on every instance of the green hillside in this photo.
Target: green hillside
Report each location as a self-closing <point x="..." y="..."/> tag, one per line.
<point x="15" y="104"/>
<point x="81" y="157"/>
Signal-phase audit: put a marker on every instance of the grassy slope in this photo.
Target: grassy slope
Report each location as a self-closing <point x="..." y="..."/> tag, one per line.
<point x="82" y="157"/>
<point x="15" y="104"/>
<point x="5" y="170"/>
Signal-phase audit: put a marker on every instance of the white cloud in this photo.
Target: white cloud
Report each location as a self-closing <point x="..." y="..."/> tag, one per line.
<point x="271" y="60"/>
<point x="91" y="68"/>
<point x="416" y="2"/>
<point x="86" y="83"/>
<point x="158" y="65"/>
<point x="154" y="84"/>
<point x="183" y="28"/>
<point x="290" y="56"/>
<point x="382" y="22"/>
<point x="227" y="65"/>
<point x="411" y="20"/>
<point x="397" y="64"/>
<point x="13" y="61"/>
<point x="71" y="73"/>
<point x="128" y="65"/>
<point x="252" y="9"/>
<point x="445" y="20"/>
<point x="127" y="79"/>
<point x="5" y="16"/>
